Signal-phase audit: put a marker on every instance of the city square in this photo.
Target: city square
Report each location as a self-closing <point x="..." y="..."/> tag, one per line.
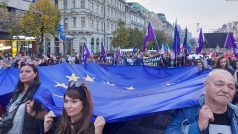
<point x="118" y="67"/>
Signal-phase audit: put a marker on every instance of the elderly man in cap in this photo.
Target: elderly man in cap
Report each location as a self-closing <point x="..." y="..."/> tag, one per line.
<point x="215" y="114"/>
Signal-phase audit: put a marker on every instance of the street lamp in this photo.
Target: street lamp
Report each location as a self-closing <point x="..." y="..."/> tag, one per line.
<point x="104" y="14"/>
<point x="65" y="25"/>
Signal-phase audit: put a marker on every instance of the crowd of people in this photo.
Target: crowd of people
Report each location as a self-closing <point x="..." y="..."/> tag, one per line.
<point x="165" y="60"/>
<point x="25" y="115"/>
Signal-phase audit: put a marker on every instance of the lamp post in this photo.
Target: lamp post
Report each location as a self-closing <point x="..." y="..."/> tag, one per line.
<point x="65" y="26"/>
<point x="104" y="33"/>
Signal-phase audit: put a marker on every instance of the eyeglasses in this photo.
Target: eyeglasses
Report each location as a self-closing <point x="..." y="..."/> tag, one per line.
<point x="77" y="85"/>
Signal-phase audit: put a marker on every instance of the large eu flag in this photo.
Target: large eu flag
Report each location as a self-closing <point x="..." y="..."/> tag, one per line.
<point x="119" y="92"/>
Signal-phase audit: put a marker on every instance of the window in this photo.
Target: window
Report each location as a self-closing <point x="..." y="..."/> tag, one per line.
<point x="92" y="45"/>
<point x="65" y="4"/>
<point x="97" y="26"/>
<point x="74" y="6"/>
<point x="112" y="27"/>
<point x="92" y="24"/>
<point x="108" y="12"/>
<point x="92" y="6"/>
<point x="97" y="45"/>
<point x="102" y="26"/>
<point x="82" y="3"/>
<point x="66" y="22"/>
<point x="102" y="10"/>
<point x="74" y="21"/>
<point x="82" y="22"/>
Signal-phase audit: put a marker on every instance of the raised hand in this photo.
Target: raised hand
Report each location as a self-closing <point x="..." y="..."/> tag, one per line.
<point x="205" y="116"/>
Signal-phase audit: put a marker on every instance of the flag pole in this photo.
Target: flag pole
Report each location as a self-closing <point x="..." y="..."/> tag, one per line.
<point x="176" y="56"/>
<point x="176" y="52"/>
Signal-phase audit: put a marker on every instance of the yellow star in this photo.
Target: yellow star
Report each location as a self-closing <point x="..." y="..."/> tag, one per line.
<point x="88" y="78"/>
<point x="72" y="77"/>
<point x="130" y="88"/>
<point x="61" y="85"/>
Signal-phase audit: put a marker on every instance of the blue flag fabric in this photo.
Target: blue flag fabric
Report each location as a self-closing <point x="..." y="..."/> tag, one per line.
<point x="176" y="41"/>
<point x="150" y="35"/>
<point x="185" y="42"/>
<point x="61" y="33"/>
<point x="86" y="53"/>
<point x="200" y="43"/>
<point x="103" y="53"/>
<point x="119" y="92"/>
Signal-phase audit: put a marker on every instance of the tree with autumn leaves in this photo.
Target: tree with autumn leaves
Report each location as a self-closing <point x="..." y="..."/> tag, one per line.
<point x="120" y="36"/>
<point x="8" y="20"/>
<point x="40" y="21"/>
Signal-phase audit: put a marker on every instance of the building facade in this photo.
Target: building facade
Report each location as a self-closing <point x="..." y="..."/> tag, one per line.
<point x="91" y="22"/>
<point x="134" y="18"/>
<point x="230" y="27"/>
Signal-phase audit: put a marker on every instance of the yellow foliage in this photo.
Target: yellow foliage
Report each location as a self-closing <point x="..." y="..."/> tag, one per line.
<point x="43" y="17"/>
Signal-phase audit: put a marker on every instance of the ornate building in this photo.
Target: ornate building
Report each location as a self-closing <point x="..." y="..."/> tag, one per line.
<point x="134" y="18"/>
<point x="90" y="21"/>
<point x="230" y="27"/>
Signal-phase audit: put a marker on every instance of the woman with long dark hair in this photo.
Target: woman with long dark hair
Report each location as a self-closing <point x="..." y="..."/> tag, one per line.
<point x="22" y="115"/>
<point x="76" y="115"/>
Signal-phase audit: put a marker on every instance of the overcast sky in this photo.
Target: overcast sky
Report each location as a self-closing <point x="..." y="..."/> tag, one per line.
<point x="211" y="14"/>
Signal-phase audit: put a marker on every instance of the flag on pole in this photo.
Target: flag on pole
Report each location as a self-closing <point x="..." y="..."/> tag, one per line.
<point x="167" y="49"/>
<point x="86" y="53"/>
<point x="230" y="40"/>
<point x="162" y="50"/>
<point x="61" y="33"/>
<point x="231" y="43"/>
<point x="176" y="42"/>
<point x="149" y="36"/>
<point x="185" y="42"/>
<point x="103" y="53"/>
<point x="200" y="43"/>
<point x="134" y="50"/>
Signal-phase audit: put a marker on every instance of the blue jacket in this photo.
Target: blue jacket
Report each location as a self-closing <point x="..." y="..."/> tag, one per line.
<point x="185" y="120"/>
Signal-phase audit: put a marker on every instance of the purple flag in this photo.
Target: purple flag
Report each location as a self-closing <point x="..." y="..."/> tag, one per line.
<point x="200" y="42"/>
<point x="103" y="53"/>
<point x="235" y="49"/>
<point x="86" y="53"/>
<point x="231" y="43"/>
<point x="176" y="42"/>
<point x="149" y="36"/>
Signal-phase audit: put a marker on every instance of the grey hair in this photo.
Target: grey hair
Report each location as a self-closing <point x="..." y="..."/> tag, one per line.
<point x="221" y="71"/>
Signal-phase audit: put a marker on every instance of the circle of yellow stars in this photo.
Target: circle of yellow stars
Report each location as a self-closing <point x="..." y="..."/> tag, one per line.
<point x="88" y="78"/>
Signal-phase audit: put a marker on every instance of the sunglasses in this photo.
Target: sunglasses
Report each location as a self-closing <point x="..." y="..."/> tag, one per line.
<point x="77" y="85"/>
